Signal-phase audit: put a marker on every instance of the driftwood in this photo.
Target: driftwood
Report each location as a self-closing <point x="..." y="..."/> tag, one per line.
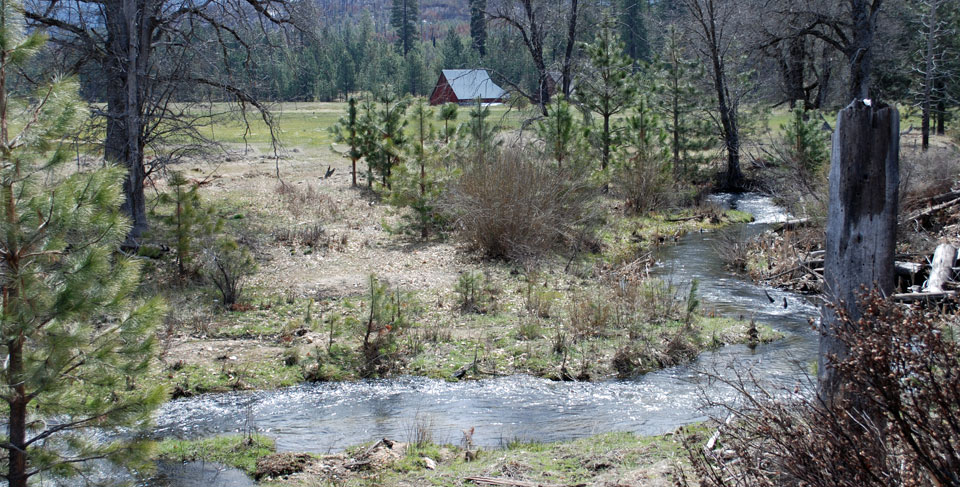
<point x="793" y="224"/>
<point x="508" y="482"/>
<point x="916" y="297"/>
<point x="941" y="268"/>
<point x="933" y="209"/>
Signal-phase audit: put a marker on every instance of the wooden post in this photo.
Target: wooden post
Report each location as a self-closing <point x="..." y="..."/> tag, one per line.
<point x="862" y="222"/>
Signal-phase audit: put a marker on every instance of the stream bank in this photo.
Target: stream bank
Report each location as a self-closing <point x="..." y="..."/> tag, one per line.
<point x="329" y="417"/>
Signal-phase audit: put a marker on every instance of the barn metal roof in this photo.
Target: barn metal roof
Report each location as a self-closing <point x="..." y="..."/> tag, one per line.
<point x="468" y="84"/>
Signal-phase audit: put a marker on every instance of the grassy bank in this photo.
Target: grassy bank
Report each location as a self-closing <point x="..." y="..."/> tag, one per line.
<point x="606" y="459"/>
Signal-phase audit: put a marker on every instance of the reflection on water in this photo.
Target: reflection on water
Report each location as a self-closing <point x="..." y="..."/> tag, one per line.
<point x="330" y="417"/>
<point x="197" y="474"/>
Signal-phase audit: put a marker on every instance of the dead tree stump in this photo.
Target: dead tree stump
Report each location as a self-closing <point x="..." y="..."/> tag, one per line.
<point x="941" y="271"/>
<point x="862" y="222"/>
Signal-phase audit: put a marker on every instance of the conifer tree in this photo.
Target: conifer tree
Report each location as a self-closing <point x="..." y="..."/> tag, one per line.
<point x="480" y="130"/>
<point x="417" y="182"/>
<point x="634" y="29"/>
<point x="404" y="17"/>
<point x="75" y="341"/>
<point x="643" y="166"/>
<point x="609" y="87"/>
<point x="349" y="130"/>
<point x="478" y="26"/>
<point x="189" y="221"/>
<point x="559" y="131"/>
<point x="387" y="136"/>
<point x="678" y="99"/>
<point x="448" y="114"/>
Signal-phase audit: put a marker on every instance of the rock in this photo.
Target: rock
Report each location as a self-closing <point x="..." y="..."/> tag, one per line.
<point x="429" y="463"/>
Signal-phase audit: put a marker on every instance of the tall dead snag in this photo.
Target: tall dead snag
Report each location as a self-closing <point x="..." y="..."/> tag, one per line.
<point x="861" y="226"/>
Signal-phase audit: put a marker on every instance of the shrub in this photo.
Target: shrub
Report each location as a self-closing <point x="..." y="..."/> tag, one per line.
<point x="894" y="424"/>
<point x="511" y="205"/>
<point x="643" y="171"/>
<point x="188" y="221"/>
<point x="589" y="316"/>
<point x="469" y="289"/>
<point x="228" y="265"/>
<point x="386" y="319"/>
<point x="539" y="300"/>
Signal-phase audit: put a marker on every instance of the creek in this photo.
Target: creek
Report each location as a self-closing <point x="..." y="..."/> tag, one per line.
<point x="327" y="417"/>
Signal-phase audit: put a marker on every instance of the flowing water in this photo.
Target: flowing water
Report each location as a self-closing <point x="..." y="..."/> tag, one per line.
<point x="331" y="416"/>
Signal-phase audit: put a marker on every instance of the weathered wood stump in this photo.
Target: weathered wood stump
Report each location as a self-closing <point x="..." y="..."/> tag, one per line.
<point x="941" y="268"/>
<point x="862" y="222"/>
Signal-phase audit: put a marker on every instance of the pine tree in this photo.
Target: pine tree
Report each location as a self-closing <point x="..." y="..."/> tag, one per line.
<point x="480" y="131"/>
<point x="678" y="100"/>
<point x="417" y="183"/>
<point x="385" y="137"/>
<point x="448" y="114"/>
<point x="188" y="221"/>
<point x="404" y="18"/>
<point x="416" y="72"/>
<point x="349" y="131"/>
<point x="559" y="131"/>
<point x="643" y="166"/>
<point x="76" y="343"/>
<point x="478" y="26"/>
<point x="609" y="87"/>
<point x="634" y="29"/>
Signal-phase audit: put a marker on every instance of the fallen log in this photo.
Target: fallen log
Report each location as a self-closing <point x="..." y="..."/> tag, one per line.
<point x="793" y="224"/>
<point x="931" y="210"/>
<point x="508" y="482"/>
<point x="915" y="297"/>
<point x="941" y="268"/>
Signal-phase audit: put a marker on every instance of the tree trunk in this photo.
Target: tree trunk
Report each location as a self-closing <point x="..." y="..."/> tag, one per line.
<point x="566" y="79"/>
<point x="793" y="70"/>
<point x="17" y="473"/>
<point x="823" y="83"/>
<point x="124" y="144"/>
<point x="928" y="76"/>
<point x="606" y="142"/>
<point x="860" y="52"/>
<point x="861" y="226"/>
<point x="941" y="108"/>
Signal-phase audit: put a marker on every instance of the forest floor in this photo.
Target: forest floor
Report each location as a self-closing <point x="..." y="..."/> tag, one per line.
<point x="318" y="241"/>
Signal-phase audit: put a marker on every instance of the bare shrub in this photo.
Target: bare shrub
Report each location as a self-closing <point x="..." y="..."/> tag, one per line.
<point x="509" y="204"/>
<point x="227" y="266"/>
<point x="734" y="248"/>
<point x="307" y="201"/>
<point x="646" y="183"/>
<point x="895" y="423"/>
<point x="589" y="316"/>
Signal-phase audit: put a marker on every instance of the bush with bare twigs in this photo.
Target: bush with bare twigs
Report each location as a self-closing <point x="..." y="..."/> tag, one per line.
<point x="510" y="204"/>
<point x="895" y="425"/>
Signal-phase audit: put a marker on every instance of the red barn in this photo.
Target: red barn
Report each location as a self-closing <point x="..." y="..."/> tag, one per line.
<point x="465" y="86"/>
